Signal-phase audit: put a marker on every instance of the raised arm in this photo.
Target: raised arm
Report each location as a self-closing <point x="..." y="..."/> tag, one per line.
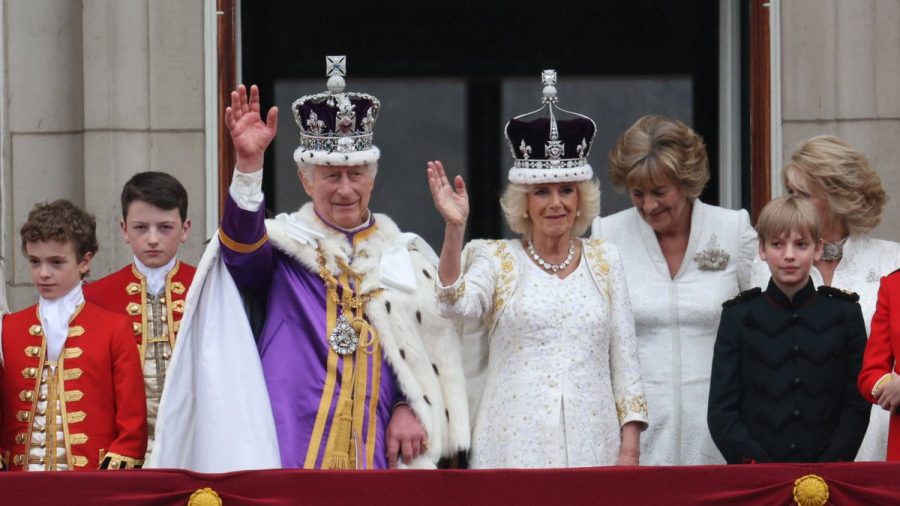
<point x="245" y="247"/>
<point x="249" y="133"/>
<point x="453" y="204"/>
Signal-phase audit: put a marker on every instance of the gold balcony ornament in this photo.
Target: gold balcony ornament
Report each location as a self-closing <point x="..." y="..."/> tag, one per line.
<point x="205" y="497"/>
<point x="810" y="490"/>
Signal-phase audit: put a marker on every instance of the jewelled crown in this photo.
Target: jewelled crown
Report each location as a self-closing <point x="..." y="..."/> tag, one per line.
<point x="336" y="127"/>
<point x="551" y="144"/>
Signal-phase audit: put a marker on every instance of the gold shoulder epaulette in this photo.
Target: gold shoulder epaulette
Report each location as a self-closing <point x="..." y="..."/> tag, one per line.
<point x="837" y="293"/>
<point x="741" y="297"/>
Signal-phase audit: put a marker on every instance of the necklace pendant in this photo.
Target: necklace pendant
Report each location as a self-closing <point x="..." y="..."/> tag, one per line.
<point x="343" y="339"/>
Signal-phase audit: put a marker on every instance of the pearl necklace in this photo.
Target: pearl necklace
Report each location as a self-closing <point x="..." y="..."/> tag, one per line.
<point x="547" y="265"/>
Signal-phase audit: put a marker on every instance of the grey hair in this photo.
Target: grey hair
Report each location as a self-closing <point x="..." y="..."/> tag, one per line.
<point x="306" y="169"/>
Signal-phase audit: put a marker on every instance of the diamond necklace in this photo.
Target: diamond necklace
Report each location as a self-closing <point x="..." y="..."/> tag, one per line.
<point x="833" y="250"/>
<point x="547" y="265"/>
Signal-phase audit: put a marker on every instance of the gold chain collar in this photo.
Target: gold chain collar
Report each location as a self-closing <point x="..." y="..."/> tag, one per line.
<point x="355" y="301"/>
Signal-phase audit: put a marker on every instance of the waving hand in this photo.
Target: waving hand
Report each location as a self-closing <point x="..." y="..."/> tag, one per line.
<point x="249" y="133"/>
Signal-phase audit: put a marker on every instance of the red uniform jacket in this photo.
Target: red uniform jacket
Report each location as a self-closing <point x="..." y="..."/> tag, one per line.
<point x="125" y="292"/>
<point x="100" y="386"/>
<point x="882" y="349"/>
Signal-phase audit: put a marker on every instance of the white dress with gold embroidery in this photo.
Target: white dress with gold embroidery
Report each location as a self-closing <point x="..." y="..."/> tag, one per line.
<point x="562" y="357"/>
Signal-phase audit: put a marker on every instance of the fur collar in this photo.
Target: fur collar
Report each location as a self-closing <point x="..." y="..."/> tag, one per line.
<point x="366" y="253"/>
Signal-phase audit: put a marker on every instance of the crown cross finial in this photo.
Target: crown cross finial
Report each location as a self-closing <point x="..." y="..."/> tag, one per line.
<point x="548" y="79"/>
<point x="336" y="66"/>
<point x="336" y="69"/>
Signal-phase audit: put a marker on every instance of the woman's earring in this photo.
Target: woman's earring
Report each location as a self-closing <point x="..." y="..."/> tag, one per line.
<point x="525" y="216"/>
<point x="578" y="213"/>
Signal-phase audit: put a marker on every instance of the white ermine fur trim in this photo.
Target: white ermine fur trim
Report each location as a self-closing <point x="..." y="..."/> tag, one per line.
<point x="537" y="176"/>
<point x="311" y="157"/>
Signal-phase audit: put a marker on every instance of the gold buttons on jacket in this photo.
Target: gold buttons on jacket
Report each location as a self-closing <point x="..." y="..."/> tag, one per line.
<point x="20" y="439"/>
<point x="29" y="372"/>
<point x="178" y="287"/>
<point x="133" y="288"/>
<point x="178" y="306"/>
<point x="133" y="308"/>
<point x="26" y="395"/>
<point x="23" y="416"/>
<point x="19" y="460"/>
<point x="32" y="351"/>
<point x="137" y="328"/>
<point x="35" y="330"/>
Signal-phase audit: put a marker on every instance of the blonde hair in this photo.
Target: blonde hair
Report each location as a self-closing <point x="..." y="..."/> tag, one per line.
<point x="515" y="204"/>
<point x="851" y="185"/>
<point x="786" y="214"/>
<point x="655" y="148"/>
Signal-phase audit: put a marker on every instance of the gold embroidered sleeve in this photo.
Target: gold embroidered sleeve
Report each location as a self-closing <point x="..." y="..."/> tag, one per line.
<point x="116" y="461"/>
<point x="632" y="409"/>
<point x="451" y="294"/>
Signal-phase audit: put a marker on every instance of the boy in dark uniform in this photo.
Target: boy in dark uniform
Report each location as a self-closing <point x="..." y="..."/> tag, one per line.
<point x="783" y="386"/>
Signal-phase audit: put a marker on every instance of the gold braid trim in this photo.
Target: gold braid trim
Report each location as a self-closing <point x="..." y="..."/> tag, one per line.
<point x="241" y="247"/>
<point x="116" y="461"/>
<point x="343" y="454"/>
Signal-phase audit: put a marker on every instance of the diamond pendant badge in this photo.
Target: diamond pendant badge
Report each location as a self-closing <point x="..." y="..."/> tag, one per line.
<point x="343" y="339"/>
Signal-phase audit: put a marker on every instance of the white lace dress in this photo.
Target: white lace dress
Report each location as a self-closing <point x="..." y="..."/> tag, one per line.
<point x="561" y="358"/>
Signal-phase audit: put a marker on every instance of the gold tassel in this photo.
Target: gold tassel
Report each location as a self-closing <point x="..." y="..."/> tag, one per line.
<point x="343" y="454"/>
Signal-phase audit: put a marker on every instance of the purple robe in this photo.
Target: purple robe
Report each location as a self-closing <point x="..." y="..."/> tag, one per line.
<point x="303" y="375"/>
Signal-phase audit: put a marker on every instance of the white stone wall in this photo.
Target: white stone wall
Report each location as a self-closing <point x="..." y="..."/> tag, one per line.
<point x="840" y="69"/>
<point x="98" y="90"/>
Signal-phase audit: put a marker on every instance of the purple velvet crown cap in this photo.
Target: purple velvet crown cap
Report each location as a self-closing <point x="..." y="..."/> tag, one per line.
<point x="336" y="127"/>
<point x="551" y="144"/>
<point x="536" y="133"/>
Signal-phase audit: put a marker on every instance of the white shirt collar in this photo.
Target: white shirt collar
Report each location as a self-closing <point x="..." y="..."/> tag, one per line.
<point x="155" y="276"/>
<point x="55" y="316"/>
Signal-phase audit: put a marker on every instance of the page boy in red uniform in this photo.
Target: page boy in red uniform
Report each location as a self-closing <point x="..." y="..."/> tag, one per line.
<point x="71" y="394"/>
<point x="878" y="379"/>
<point x="150" y="290"/>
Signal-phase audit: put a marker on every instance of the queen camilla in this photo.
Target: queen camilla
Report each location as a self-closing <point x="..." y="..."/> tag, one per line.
<point x="562" y="386"/>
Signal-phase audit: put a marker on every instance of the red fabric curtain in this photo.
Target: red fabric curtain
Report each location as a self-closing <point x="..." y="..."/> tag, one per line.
<point x="764" y="484"/>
